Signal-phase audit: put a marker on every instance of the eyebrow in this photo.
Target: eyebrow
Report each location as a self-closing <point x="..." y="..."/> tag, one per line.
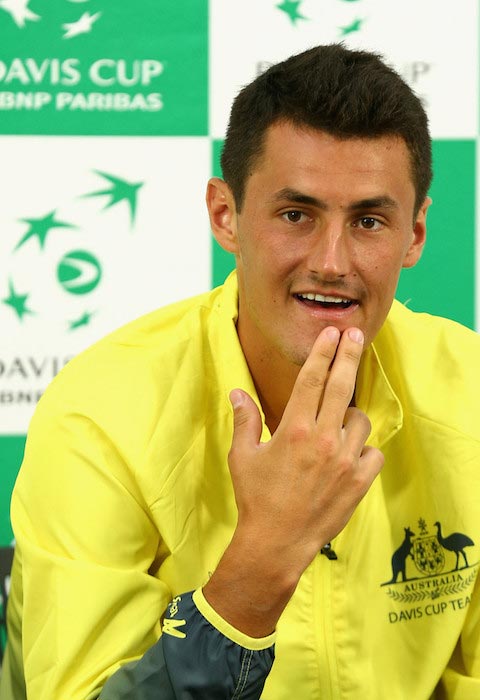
<point x="381" y="202"/>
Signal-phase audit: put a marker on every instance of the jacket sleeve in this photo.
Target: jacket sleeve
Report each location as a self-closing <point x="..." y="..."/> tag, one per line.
<point x="89" y="605"/>
<point x="461" y="679"/>
<point x="195" y="659"/>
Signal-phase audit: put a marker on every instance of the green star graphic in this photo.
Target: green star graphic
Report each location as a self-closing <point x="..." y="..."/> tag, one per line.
<point x="353" y="27"/>
<point x="291" y="8"/>
<point x="18" y="302"/>
<point x="41" y="228"/>
<point x="82" y="321"/>
<point x="120" y="190"/>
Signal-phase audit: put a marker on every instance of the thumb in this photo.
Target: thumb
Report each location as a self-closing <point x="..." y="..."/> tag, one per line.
<point x="247" y="423"/>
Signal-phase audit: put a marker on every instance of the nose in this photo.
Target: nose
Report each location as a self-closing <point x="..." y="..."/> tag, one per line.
<point x="330" y="256"/>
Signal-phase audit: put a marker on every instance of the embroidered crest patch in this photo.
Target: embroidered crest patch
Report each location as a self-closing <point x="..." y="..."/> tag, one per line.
<point x="430" y="565"/>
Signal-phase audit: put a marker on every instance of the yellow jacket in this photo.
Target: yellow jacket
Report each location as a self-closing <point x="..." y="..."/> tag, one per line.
<point x="124" y="501"/>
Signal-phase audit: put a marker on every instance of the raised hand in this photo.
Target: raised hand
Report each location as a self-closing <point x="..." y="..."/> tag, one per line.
<point x="297" y="491"/>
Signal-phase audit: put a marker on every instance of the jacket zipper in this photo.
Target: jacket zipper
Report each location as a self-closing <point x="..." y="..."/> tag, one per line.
<point x="322" y="606"/>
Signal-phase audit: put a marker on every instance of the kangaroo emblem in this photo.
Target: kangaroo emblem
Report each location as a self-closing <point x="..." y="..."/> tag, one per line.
<point x="399" y="557"/>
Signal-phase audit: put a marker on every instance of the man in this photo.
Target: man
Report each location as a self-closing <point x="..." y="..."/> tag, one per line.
<point x="136" y="489"/>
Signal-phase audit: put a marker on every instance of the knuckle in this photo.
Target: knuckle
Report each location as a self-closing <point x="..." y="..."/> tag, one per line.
<point x="372" y="461"/>
<point x="298" y="433"/>
<point x="239" y="451"/>
<point x="367" y="423"/>
<point x="240" y="418"/>
<point x="342" y="387"/>
<point x="352" y="352"/>
<point x="347" y="462"/>
<point x="359" y="417"/>
<point x="355" y="413"/>
<point x="377" y="458"/>
<point x="312" y="380"/>
<point x="327" y="445"/>
<point x="326" y="351"/>
<point x="361" y="484"/>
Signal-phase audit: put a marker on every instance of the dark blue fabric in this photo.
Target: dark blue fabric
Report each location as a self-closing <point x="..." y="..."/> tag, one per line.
<point x="197" y="662"/>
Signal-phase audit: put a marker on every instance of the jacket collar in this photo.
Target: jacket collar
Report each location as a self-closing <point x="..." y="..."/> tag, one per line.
<point x="375" y="396"/>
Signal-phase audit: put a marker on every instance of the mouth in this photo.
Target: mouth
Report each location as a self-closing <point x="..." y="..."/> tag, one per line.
<point x="326" y="301"/>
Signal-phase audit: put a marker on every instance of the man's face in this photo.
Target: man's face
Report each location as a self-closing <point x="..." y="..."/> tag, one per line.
<point x="325" y="228"/>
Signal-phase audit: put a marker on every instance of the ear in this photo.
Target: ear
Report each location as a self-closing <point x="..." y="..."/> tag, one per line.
<point x="419" y="236"/>
<point x="222" y="212"/>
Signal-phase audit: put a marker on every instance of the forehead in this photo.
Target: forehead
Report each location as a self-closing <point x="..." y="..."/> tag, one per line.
<point x="307" y="159"/>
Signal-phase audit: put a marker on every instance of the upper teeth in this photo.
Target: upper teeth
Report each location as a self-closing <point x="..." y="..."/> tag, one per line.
<point x="320" y="297"/>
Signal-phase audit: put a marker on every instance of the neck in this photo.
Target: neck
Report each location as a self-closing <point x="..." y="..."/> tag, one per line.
<point x="273" y="376"/>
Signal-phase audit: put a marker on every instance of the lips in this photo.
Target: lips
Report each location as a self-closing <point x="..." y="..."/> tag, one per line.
<point x="325" y="301"/>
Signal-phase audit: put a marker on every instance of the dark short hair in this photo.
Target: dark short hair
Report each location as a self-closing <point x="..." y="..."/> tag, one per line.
<point x="343" y="92"/>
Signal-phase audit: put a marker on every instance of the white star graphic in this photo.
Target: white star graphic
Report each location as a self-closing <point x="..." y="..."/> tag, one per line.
<point x="81" y="26"/>
<point x="19" y="11"/>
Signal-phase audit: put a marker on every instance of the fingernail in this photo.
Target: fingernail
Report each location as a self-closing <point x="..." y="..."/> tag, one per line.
<point x="356" y="335"/>
<point x="236" y="398"/>
<point x="332" y="333"/>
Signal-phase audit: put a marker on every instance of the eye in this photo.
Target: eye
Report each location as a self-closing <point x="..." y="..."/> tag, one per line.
<point x="369" y="223"/>
<point x="294" y="216"/>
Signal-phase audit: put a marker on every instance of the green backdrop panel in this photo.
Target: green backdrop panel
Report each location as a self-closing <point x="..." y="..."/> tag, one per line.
<point x="68" y="68"/>
<point x="11" y="455"/>
<point x="222" y="262"/>
<point x="443" y="282"/>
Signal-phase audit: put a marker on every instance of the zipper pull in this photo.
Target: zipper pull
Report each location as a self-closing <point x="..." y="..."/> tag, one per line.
<point x="328" y="551"/>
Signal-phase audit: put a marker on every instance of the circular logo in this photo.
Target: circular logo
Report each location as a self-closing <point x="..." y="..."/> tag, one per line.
<point x="79" y="272"/>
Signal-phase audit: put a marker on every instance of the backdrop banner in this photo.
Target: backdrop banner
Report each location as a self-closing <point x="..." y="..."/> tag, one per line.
<point x="112" y="117"/>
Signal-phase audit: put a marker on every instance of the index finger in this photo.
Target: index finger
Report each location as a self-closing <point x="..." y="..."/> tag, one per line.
<point x="309" y="386"/>
<point x="340" y="384"/>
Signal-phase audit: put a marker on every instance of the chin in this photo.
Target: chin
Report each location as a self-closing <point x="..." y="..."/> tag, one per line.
<point x="298" y="356"/>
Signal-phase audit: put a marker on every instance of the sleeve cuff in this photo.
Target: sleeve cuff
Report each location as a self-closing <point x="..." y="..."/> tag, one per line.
<point x="243" y="640"/>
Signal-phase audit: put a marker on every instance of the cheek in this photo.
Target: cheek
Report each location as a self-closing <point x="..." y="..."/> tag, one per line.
<point x="380" y="265"/>
<point x="270" y="261"/>
<point x="384" y="280"/>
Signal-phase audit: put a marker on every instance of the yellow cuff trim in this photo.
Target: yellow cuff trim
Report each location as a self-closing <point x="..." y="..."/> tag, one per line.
<point x="243" y="640"/>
